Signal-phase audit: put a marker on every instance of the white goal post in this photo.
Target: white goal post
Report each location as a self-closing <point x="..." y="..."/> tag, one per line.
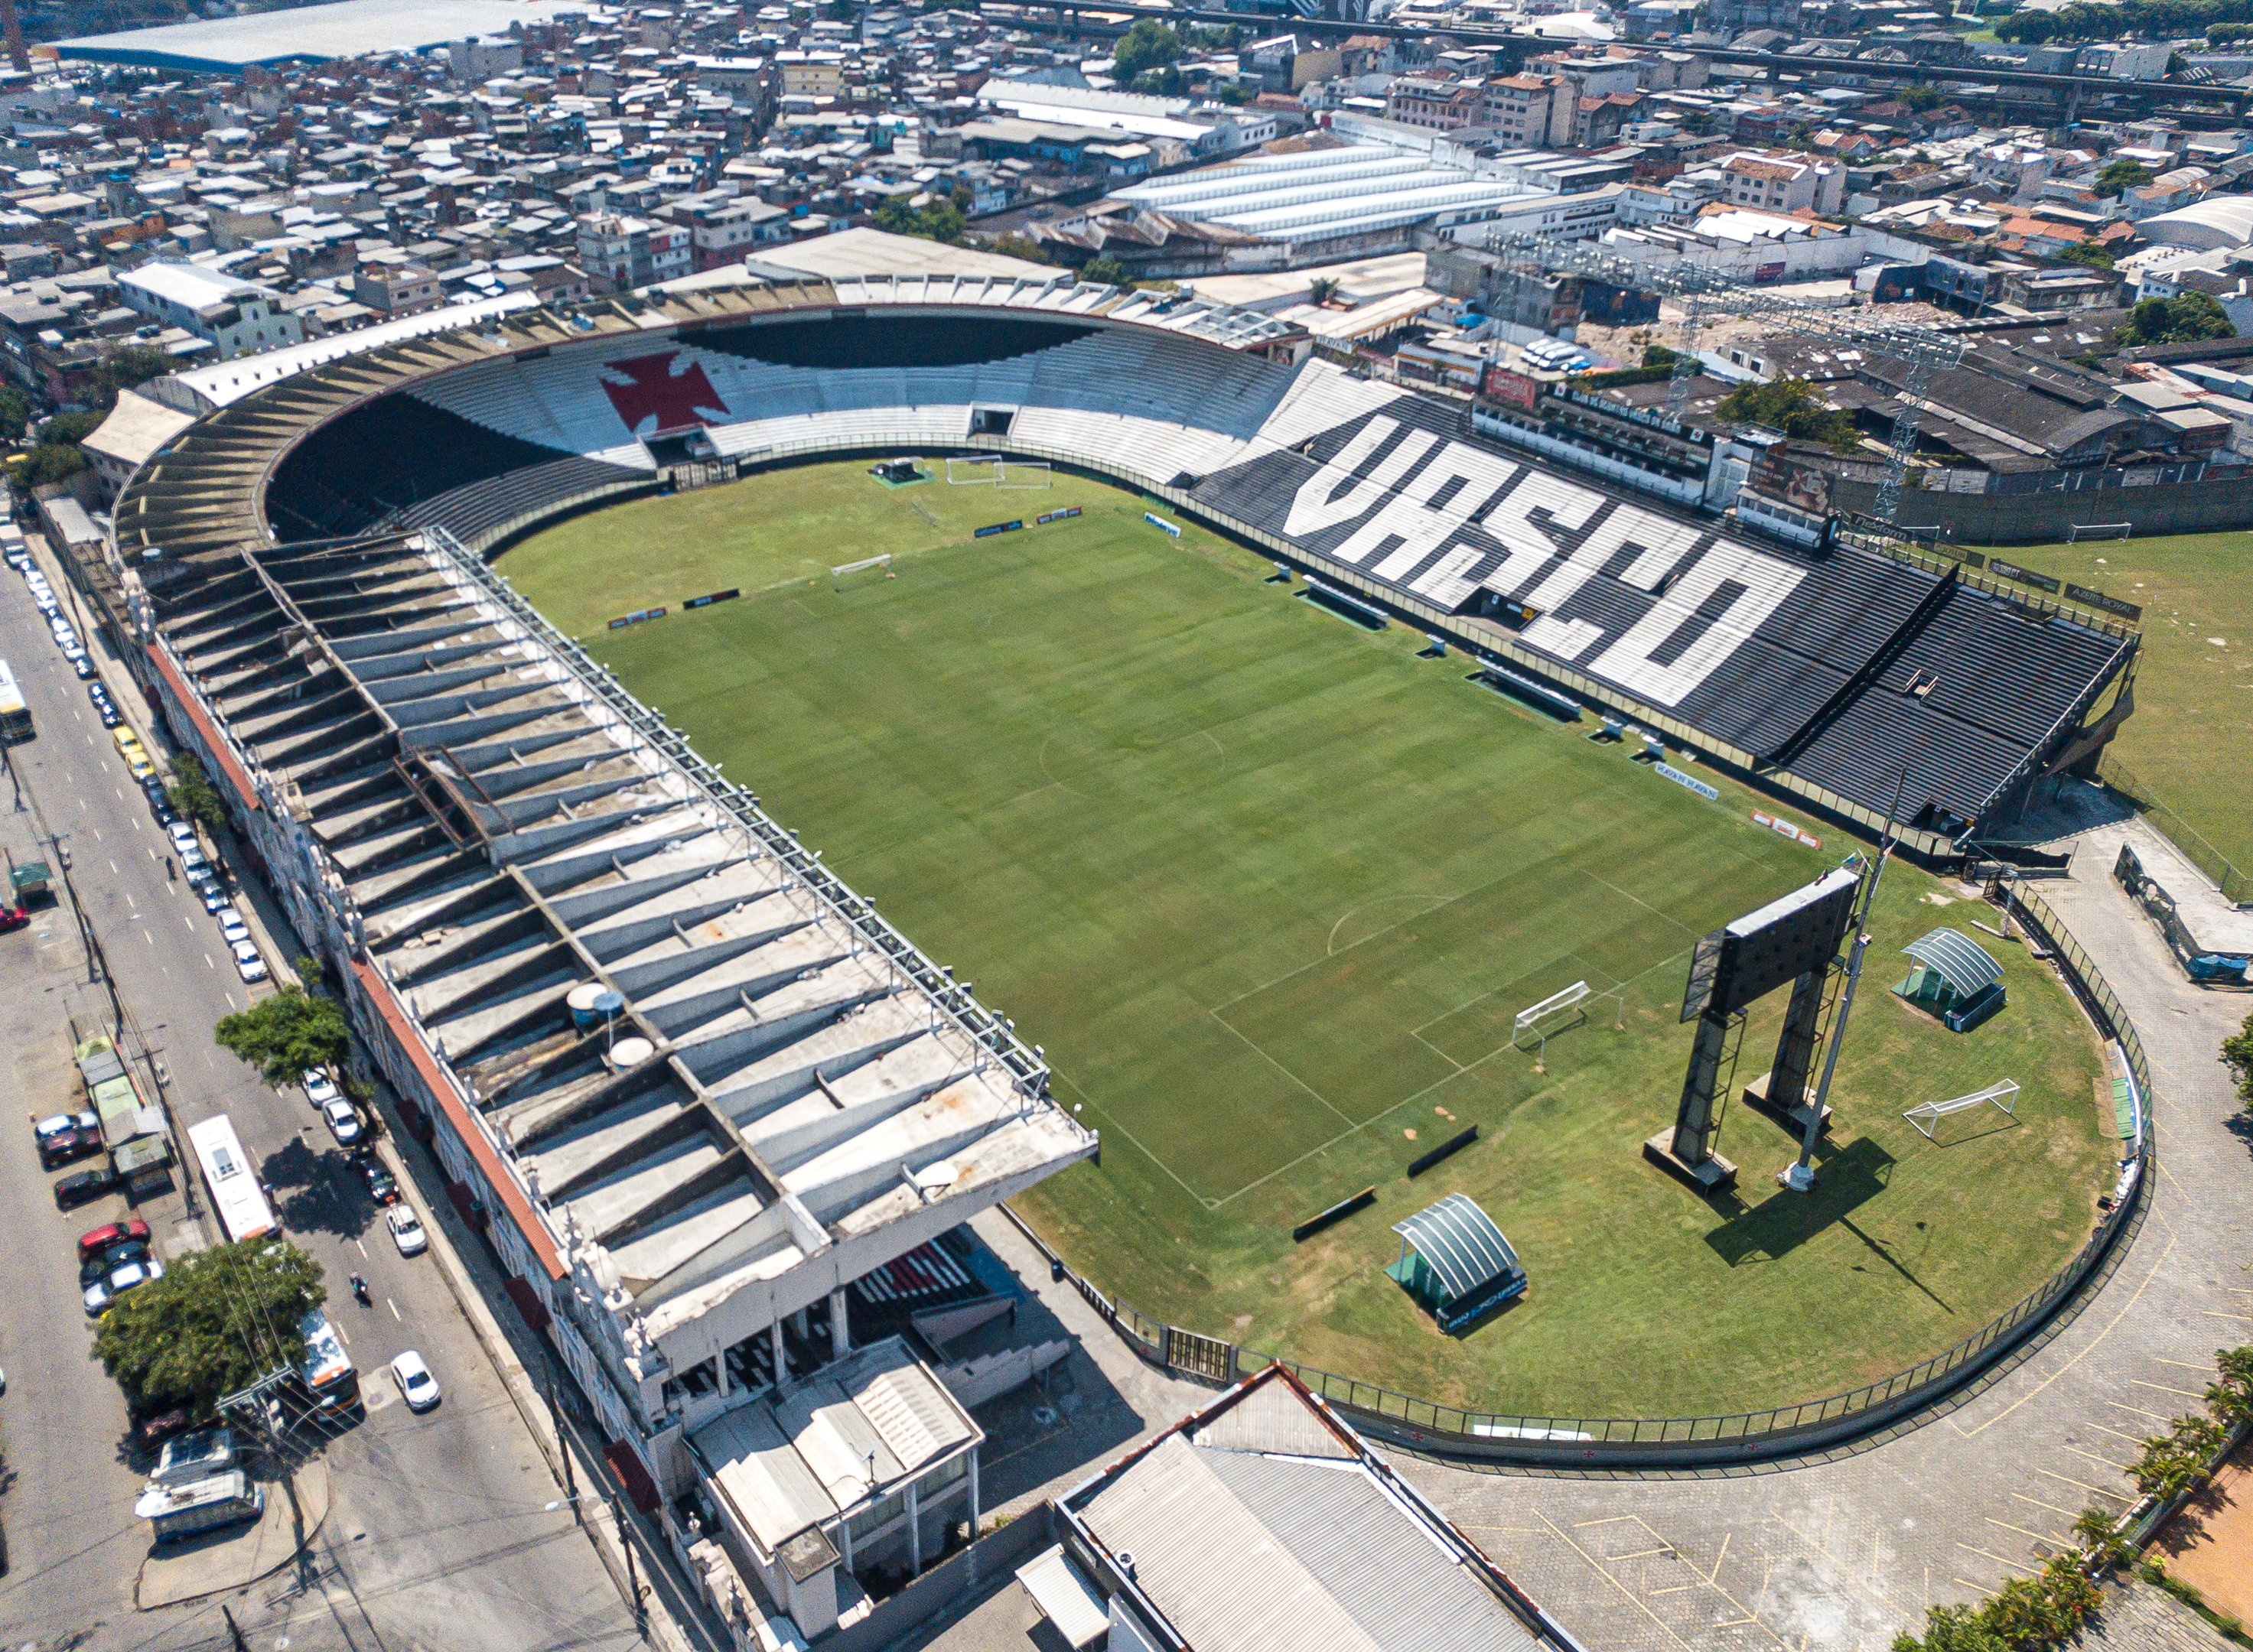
<point x="1539" y="1021"/>
<point x="2005" y="1096"/>
<point x="844" y="571"/>
<point x="1000" y="471"/>
<point x="2076" y="533"/>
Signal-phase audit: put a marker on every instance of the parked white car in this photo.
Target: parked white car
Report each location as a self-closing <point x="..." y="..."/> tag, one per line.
<point x="406" y="1230"/>
<point x="248" y="963"/>
<point x="343" y="1122"/>
<point x="320" y="1089"/>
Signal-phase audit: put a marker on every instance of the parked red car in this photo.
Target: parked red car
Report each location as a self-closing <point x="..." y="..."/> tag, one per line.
<point x="13" y="917"/>
<point x="93" y="1244"/>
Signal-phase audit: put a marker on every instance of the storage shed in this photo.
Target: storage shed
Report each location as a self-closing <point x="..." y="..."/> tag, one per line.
<point x="1455" y="1262"/>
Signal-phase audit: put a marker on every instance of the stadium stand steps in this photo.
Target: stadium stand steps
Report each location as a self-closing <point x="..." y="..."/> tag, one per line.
<point x="349" y="474"/>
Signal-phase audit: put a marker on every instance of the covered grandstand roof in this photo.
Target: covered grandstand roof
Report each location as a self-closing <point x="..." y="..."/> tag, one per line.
<point x="791" y="1094"/>
<point x="344" y="28"/>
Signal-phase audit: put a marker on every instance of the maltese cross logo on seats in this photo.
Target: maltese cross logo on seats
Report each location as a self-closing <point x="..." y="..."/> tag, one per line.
<point x="651" y="388"/>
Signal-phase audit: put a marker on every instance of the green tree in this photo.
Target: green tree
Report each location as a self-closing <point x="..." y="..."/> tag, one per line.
<point x="1149" y="45"/>
<point x="2087" y="253"/>
<point x="2219" y="34"/>
<point x="1106" y="268"/>
<point x="288" y="1033"/>
<point x="125" y="367"/>
<point x="191" y="794"/>
<point x="1015" y="246"/>
<point x="2171" y="1462"/>
<point x="2122" y="174"/>
<point x="2229" y="1400"/>
<point x="48" y="461"/>
<point x="2098" y="1530"/>
<point x="1791" y="405"/>
<point x="1919" y="97"/>
<point x="1952" y="1629"/>
<point x="2237" y="1055"/>
<point x="2178" y="320"/>
<point x="216" y="1322"/>
<point x="940" y="221"/>
<point x="1236" y="95"/>
<point x="15" y="413"/>
<point x="1322" y="290"/>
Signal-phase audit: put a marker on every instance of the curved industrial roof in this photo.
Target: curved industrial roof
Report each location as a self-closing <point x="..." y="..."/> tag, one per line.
<point x="1461" y="1243"/>
<point x="1962" y="962"/>
<point x="2219" y="221"/>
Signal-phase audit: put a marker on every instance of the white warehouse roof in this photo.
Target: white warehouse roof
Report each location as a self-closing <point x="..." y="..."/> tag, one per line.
<point x="1322" y="194"/>
<point x="347" y="29"/>
<point x="2219" y="221"/>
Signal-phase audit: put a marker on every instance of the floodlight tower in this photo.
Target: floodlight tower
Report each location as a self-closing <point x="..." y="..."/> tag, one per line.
<point x="1706" y="293"/>
<point x="1799" y="1177"/>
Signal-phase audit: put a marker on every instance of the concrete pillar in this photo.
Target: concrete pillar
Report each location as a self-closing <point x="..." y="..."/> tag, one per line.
<point x="914" y="1534"/>
<point x="802" y="1322"/>
<point x="840" y="1338"/>
<point x="845" y="1531"/>
<point x="781" y="1365"/>
<point x="721" y="1360"/>
<point x="973" y="1494"/>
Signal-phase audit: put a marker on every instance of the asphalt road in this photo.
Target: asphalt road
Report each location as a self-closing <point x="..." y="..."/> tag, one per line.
<point x="440" y="1536"/>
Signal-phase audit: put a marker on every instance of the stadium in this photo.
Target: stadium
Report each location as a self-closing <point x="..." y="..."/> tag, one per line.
<point x="1258" y="747"/>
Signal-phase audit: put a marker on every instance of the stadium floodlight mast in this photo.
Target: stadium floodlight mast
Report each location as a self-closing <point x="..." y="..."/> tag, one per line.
<point x="1705" y="292"/>
<point x="1799" y="1177"/>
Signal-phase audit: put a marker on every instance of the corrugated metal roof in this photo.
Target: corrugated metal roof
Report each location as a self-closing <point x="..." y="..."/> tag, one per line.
<point x="1374" y="1556"/>
<point x="1223" y="1580"/>
<point x="1962" y="963"/>
<point x="1461" y="1243"/>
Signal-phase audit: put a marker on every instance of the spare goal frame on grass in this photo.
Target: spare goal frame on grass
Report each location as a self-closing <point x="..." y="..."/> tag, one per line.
<point x="2005" y="1096"/>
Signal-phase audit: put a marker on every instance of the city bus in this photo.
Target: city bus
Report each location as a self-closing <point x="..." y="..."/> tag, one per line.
<point x="242" y="1210"/>
<point x="15" y="715"/>
<point x="328" y="1372"/>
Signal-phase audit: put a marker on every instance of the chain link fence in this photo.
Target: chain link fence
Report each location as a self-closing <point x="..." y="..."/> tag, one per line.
<point x="1654" y="1442"/>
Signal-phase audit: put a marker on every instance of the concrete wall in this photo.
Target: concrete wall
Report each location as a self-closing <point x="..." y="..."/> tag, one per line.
<point x="2037" y="519"/>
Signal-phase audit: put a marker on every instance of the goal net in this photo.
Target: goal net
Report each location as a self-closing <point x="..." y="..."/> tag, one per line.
<point x="1552" y="1015"/>
<point x="1000" y="471"/>
<point x="867" y="568"/>
<point x="2079" y="531"/>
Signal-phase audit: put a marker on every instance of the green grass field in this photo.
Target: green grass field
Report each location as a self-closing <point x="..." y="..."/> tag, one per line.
<point x="1269" y="888"/>
<point x="2194" y="683"/>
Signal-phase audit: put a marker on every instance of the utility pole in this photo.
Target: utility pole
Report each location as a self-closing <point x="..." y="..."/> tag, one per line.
<point x="633" y="1582"/>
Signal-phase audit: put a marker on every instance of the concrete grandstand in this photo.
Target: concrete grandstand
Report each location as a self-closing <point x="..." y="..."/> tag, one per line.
<point x="1825" y="674"/>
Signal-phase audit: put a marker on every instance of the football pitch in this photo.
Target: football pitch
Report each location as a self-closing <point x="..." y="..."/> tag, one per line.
<point x="1269" y="889"/>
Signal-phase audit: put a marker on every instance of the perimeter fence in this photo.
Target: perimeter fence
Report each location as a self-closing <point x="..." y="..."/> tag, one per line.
<point x="1743" y="1437"/>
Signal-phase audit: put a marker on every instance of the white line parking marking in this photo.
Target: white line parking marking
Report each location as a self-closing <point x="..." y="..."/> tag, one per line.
<point x="209" y="964"/>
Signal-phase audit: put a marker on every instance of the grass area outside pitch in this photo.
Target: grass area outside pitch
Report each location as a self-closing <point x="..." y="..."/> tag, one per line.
<point x="2194" y="681"/>
<point x="1270" y="890"/>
